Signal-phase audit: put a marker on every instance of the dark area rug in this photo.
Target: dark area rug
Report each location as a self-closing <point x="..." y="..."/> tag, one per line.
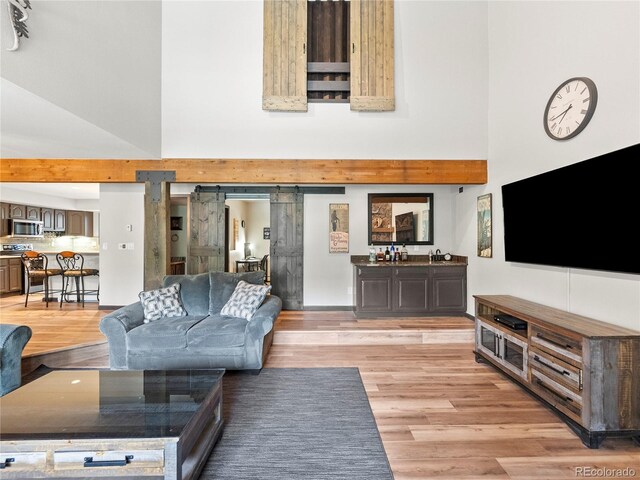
<point x="297" y="423"/>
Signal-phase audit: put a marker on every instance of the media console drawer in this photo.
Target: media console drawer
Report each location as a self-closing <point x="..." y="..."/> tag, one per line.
<point x="556" y="344"/>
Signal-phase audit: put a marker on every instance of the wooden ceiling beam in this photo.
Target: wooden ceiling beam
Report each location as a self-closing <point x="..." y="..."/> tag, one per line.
<point x="248" y="171"/>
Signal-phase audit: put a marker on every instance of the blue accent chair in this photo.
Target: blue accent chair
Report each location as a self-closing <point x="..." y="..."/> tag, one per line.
<point x="13" y="338"/>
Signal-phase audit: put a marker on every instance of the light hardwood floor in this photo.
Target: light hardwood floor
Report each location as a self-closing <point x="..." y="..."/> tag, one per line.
<point x="440" y="414"/>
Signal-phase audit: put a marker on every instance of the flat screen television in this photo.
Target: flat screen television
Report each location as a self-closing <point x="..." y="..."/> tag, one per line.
<point x="584" y="215"/>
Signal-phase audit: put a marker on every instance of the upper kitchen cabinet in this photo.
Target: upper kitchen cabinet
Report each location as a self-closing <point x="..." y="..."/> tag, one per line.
<point x="47" y="218"/>
<point x="59" y="220"/>
<point x="4" y="219"/>
<point x="79" y="223"/>
<point x="18" y="212"/>
<point x="24" y="212"/>
<point x="33" y="213"/>
<point x="53" y="220"/>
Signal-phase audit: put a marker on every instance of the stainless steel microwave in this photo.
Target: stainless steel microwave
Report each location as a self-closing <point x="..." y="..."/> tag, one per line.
<point x="26" y="228"/>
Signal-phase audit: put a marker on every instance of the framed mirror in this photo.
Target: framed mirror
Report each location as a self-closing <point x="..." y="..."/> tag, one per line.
<point x="401" y="218"/>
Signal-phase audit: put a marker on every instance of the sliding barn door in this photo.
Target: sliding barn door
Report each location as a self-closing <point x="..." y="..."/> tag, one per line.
<point x="287" y="212"/>
<point x="372" y="55"/>
<point x="285" y="55"/>
<point x="207" y="233"/>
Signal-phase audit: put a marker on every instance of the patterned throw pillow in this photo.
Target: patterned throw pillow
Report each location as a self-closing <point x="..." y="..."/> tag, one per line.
<point x="245" y="300"/>
<point x="160" y="303"/>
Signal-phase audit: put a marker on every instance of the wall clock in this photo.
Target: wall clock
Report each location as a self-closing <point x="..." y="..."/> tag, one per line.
<point x="570" y="108"/>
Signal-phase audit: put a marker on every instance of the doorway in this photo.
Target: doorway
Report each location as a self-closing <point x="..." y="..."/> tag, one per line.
<point x="248" y="233"/>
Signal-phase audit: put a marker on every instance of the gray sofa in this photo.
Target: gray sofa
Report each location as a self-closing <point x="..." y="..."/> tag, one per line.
<point x="201" y="339"/>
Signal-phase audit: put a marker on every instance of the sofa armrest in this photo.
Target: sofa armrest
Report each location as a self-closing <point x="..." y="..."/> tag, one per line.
<point x="262" y="321"/>
<point x="13" y="339"/>
<point x="115" y="327"/>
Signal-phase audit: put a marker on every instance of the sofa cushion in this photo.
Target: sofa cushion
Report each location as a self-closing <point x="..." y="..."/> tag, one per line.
<point x="245" y="300"/>
<point x="161" y="303"/>
<point x="163" y="334"/>
<point x="216" y="332"/>
<point x="194" y="292"/>
<point x="223" y="284"/>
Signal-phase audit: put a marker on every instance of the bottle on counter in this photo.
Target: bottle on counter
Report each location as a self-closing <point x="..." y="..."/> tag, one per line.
<point x="392" y="253"/>
<point x="404" y="253"/>
<point x="372" y="254"/>
<point x="397" y="256"/>
<point x="430" y="256"/>
<point x="380" y="255"/>
<point x="387" y="255"/>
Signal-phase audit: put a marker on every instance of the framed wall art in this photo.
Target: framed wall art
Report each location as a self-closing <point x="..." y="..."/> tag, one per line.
<point x="485" y="244"/>
<point x="338" y="228"/>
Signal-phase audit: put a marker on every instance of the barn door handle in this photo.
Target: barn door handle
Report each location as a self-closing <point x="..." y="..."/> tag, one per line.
<point x="353" y="48"/>
<point x="304" y="48"/>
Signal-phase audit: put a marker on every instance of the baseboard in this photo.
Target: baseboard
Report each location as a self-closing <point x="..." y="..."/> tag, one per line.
<point x="470" y="317"/>
<point x="329" y="308"/>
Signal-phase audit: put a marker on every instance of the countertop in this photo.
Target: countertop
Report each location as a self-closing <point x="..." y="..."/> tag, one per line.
<point x="414" y="261"/>
<point x="410" y="263"/>
<point x="18" y="255"/>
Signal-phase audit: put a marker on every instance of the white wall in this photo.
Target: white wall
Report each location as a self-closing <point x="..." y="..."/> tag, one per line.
<point x="212" y="108"/>
<point x="121" y="271"/>
<point x="535" y="46"/>
<point x="11" y="195"/>
<point x="328" y="277"/>
<point x="99" y="60"/>
<point x="212" y="88"/>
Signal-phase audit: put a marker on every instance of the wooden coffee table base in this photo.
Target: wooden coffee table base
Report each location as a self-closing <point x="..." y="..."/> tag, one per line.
<point x="173" y="457"/>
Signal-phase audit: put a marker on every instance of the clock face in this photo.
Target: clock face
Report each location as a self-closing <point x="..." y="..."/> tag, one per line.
<point x="570" y="108"/>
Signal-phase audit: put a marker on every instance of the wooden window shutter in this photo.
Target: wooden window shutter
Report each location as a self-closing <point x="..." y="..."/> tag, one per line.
<point x="285" y="55"/>
<point x="372" y="55"/>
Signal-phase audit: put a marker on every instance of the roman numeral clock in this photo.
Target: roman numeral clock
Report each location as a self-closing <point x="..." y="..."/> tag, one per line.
<point x="570" y="108"/>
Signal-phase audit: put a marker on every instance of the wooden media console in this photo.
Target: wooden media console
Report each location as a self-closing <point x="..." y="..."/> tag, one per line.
<point x="585" y="370"/>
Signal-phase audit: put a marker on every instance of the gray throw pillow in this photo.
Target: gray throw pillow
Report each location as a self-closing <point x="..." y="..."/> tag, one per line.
<point x="245" y="300"/>
<point x="160" y="303"/>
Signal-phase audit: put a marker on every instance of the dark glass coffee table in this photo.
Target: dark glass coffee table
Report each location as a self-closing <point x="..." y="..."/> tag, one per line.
<point x="103" y="423"/>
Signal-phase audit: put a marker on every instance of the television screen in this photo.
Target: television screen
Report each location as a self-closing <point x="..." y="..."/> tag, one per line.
<point x="580" y="216"/>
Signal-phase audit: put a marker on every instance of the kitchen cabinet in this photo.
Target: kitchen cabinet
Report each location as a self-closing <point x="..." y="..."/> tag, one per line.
<point x="32" y="213"/>
<point x="4" y="219"/>
<point x="47" y="219"/>
<point x="374" y="287"/>
<point x="59" y="220"/>
<point x="410" y="288"/>
<point x="10" y="275"/>
<point x="79" y="223"/>
<point x="53" y="220"/>
<point x="18" y="212"/>
<point x="449" y="289"/>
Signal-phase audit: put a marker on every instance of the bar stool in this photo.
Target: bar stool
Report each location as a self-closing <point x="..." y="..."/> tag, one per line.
<point x="37" y="267"/>
<point x="72" y="266"/>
